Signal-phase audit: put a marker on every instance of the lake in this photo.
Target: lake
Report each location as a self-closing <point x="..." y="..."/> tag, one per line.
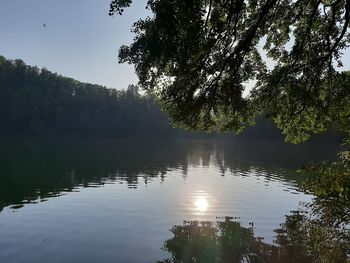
<point x="144" y="200"/>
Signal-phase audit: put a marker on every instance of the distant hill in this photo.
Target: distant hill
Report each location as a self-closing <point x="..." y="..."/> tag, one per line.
<point x="36" y="102"/>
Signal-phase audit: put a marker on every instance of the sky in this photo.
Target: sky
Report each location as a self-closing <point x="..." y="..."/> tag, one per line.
<point x="80" y="40"/>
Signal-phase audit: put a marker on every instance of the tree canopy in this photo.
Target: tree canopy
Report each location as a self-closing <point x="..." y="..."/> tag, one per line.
<point x="199" y="57"/>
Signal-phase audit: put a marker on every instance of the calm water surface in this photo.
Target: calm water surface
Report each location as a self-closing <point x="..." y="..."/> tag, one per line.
<point x="124" y="200"/>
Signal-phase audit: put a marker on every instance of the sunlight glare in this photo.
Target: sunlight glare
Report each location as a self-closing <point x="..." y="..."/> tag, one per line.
<point x="201" y="204"/>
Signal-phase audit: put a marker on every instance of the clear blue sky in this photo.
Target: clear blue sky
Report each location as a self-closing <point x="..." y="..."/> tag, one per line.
<point x="80" y="40"/>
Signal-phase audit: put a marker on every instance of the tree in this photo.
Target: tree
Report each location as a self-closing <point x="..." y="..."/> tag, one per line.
<point x="199" y="56"/>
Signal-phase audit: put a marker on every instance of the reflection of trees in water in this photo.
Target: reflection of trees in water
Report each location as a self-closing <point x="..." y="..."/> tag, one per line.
<point x="207" y="242"/>
<point x="317" y="233"/>
<point x="35" y="170"/>
<point x="300" y="239"/>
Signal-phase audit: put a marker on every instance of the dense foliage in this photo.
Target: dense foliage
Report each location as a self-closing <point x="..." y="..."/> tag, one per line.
<point x="199" y="56"/>
<point x="330" y="184"/>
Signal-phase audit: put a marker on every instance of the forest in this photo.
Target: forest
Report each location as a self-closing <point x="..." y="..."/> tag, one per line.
<point x="37" y="102"/>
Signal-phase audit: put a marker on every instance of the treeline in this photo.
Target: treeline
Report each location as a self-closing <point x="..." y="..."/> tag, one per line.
<point x="36" y="102"/>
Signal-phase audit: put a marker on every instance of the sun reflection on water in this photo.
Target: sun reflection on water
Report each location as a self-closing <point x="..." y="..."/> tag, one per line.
<point x="201" y="203"/>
